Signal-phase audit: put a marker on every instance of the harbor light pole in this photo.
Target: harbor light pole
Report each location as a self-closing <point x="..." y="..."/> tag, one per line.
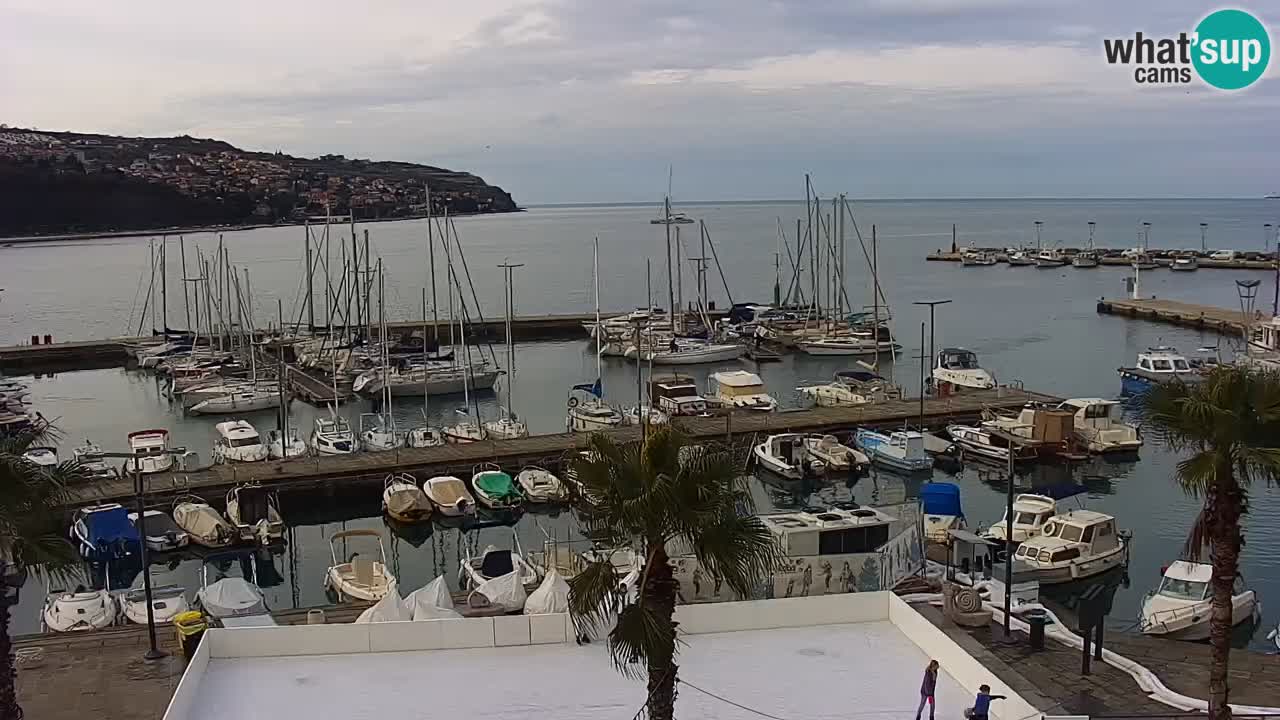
<point x="932" y="304"/>
<point x="153" y="653"/>
<point x="1266" y="236"/>
<point x="1204" y="246"/>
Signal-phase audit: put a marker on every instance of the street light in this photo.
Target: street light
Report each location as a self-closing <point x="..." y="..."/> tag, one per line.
<point x="932" y="304"/>
<point x="154" y="653"/>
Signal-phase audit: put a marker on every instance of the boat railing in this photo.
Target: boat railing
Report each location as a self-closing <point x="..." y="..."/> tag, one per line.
<point x="1162" y="618"/>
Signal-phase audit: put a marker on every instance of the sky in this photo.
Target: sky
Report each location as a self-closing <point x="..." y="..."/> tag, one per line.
<point x="594" y="100"/>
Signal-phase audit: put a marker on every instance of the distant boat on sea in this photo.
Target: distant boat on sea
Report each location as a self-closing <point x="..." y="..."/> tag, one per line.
<point x="1272" y="196"/>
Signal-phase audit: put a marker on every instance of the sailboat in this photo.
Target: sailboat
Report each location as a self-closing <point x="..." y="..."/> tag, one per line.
<point x="424" y="436"/>
<point x="509" y="426"/>
<point x="587" y="410"/>
<point x="378" y="430"/>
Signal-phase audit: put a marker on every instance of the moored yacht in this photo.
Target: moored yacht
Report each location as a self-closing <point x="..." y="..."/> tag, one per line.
<point x="978" y="259"/>
<point x="959" y="368"/>
<point x="1077" y="545"/>
<point x="787" y="456"/>
<point x="287" y="446"/>
<point x="149" y="447"/>
<point x="1030" y="513"/>
<point x="1085" y="259"/>
<point x="1181" y="606"/>
<point x="238" y="441"/>
<point x="741" y="390"/>
<point x="1156" y="366"/>
<point x="333" y="436"/>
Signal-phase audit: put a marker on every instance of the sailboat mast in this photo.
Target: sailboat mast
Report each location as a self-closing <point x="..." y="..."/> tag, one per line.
<point x="595" y="275"/>
<point x="666" y="224"/>
<point x="448" y="261"/>
<point x="679" y="268"/>
<point x="311" y="271"/>
<point x="186" y="301"/>
<point x="875" y="302"/>
<point x="164" y="285"/>
<point x="509" y="304"/>
<point x="431" y="265"/>
<point x="424" y="352"/>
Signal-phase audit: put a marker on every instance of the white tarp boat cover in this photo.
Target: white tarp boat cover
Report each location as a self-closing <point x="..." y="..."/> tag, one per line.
<point x="389" y="609"/>
<point x="505" y="591"/>
<point x="432" y="601"/>
<point x="201" y="521"/>
<point x="232" y="596"/>
<point x="552" y="596"/>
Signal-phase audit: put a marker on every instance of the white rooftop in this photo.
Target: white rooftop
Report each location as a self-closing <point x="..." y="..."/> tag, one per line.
<point x="818" y="657"/>
<point x="737" y="378"/>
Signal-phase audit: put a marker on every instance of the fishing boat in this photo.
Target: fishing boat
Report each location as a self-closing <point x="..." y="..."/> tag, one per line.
<point x="204" y="525"/>
<point x="163" y="534"/>
<point x="1030" y="513"/>
<point x="450" y="495"/>
<point x="1074" y="546"/>
<point x="378" y="432"/>
<point x="360" y="577"/>
<point x="1185" y="263"/>
<point x="741" y="390"/>
<point x="1156" y="366"/>
<point x="940" y="502"/>
<point x="255" y="513"/>
<point x="976" y="258"/>
<point x="1021" y="258"/>
<point x="287" y="446"/>
<point x="834" y="455"/>
<point x="1182" y="606"/>
<point x="539" y="485"/>
<point x="403" y="500"/>
<point x="1143" y="261"/>
<point x="1099" y="427"/>
<point x="494" y="488"/>
<point x="92" y="464"/>
<point x="984" y="443"/>
<point x="1050" y="258"/>
<point x="959" y="368"/>
<point x="785" y="454"/>
<point x="150" y="450"/>
<point x="333" y="436"/>
<point x="238" y="442"/>
<point x="229" y="595"/>
<point x="104" y="533"/>
<point x="901" y="450"/>
<point x="247" y="399"/>
<point x="1085" y="259"/>
<point x="78" y="610"/>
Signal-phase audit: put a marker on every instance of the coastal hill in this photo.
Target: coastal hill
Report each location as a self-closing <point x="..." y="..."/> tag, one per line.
<point x="64" y="182"/>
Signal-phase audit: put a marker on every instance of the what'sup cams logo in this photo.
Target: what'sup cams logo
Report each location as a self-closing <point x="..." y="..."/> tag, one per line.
<point x="1228" y="50"/>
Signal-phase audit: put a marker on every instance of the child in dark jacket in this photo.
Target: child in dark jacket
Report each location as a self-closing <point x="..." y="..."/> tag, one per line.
<point x="982" y="703"/>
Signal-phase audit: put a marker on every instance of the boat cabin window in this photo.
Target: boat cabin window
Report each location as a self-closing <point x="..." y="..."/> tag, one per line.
<point x="1071" y="533"/>
<point x="1088" y="535"/>
<point x="1098" y="410"/>
<point x="1183" y="589"/>
<point x="1144" y="364"/>
<point x="1026" y="518"/>
<point x="852" y="540"/>
<point x="1180" y="365"/>
<point x="1161" y="365"/>
<point x="1065" y="554"/>
<point x="244" y="441"/>
<point x="960" y="361"/>
<point x="744" y="391"/>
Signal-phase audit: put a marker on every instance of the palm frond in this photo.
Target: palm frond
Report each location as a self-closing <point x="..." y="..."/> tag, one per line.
<point x="593" y="595"/>
<point x="1197" y="538"/>
<point x="640" y="634"/>
<point x="740" y="550"/>
<point x="1197" y="473"/>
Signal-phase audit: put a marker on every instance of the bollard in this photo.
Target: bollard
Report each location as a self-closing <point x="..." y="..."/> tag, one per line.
<point x="35" y="339"/>
<point x="48" y="339"/>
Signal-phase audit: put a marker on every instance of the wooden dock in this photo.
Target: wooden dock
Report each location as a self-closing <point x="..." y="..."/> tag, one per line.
<point x="1173" y="312"/>
<point x="314" y="390"/>
<point x="1118" y="261"/>
<point x="545" y="450"/>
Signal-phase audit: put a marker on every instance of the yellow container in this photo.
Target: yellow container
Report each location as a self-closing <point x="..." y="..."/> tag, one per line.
<point x="190" y="627"/>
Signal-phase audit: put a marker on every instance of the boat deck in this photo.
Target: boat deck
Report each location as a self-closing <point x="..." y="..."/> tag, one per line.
<point x="548" y="450"/>
<point x="1173" y="312"/>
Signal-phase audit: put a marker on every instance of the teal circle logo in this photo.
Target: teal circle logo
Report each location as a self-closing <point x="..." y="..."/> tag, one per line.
<point x="1232" y="49"/>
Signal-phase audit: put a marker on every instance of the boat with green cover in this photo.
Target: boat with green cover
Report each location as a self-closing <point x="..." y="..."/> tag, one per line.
<point x="494" y="488"/>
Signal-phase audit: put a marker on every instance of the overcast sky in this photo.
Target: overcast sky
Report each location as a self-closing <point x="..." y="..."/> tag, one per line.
<point x="591" y="100"/>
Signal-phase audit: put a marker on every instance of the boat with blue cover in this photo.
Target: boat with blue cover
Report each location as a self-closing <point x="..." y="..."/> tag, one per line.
<point x="940" y="502"/>
<point x="1156" y="366"/>
<point x="105" y="533"/>
<point x="902" y="450"/>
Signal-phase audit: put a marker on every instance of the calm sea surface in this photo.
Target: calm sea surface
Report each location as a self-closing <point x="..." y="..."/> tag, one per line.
<point x="1036" y="326"/>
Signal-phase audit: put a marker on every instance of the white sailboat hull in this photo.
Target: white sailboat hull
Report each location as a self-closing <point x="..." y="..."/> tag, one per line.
<point x="698" y="356"/>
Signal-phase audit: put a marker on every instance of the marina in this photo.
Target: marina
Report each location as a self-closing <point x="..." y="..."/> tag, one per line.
<point x="1103" y="257"/>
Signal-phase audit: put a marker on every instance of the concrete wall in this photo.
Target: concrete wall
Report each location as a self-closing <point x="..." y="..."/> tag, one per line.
<point x="785" y="612"/>
<point x="955" y="661"/>
<point x="184" y="696"/>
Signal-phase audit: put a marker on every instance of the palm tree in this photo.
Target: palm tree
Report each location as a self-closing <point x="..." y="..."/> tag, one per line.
<point x="653" y="496"/>
<point x="31" y="500"/>
<point x="1229" y="423"/>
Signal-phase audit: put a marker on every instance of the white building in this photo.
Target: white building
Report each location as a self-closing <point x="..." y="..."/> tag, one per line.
<point x="835" y="656"/>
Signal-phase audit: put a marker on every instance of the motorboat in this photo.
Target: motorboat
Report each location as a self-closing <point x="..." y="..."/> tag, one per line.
<point x="378" y="433"/>
<point x="539" y="485"/>
<point x="92" y="464"/>
<point x="991" y="445"/>
<point x="1085" y="259"/>
<point x="845" y="346"/>
<point x="902" y="450"/>
<point x="450" y="495"/>
<point x="333" y="436"/>
<point x="78" y="610"/>
<point x="168" y="600"/>
<point x="507" y="427"/>
<point x="834" y="455"/>
<point x="849" y="388"/>
<point x="1181" y="607"/>
<point x="150" y="450"/>
<point x="1077" y="545"/>
<point x="494" y="488"/>
<point x="1097" y="425"/>
<point x="423" y="436"/>
<point x="361" y="577"/>
<point x="496" y="562"/>
<point x="255" y="513"/>
<point x="1143" y="261"/>
<point x="286" y="447"/>
<point x="204" y="525"/>
<point x="1156" y="366"/>
<point x="1030" y="513"/>
<point x="45" y="457"/>
<point x="1050" y="259"/>
<point x="211" y="389"/>
<point x="646" y="415"/>
<point x="741" y="390"/>
<point x="1185" y="263"/>
<point x="229" y="595"/>
<point x="940" y="503"/>
<point x="959" y="368"/>
<point x="403" y="500"/>
<point x="786" y="455"/>
<point x="592" y="415"/>
<point x="975" y="258"/>
<point x="683" y="351"/>
<point x="238" y="442"/>
<point x="162" y="533"/>
<point x="104" y="533"/>
<point x="248" y="399"/>
<point x="1021" y="258"/>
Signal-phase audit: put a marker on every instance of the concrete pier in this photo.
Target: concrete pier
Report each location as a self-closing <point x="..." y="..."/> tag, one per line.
<point x="1173" y="312"/>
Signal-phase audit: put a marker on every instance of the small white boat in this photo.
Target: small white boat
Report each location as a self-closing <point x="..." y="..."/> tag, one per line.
<point x="834" y="455"/>
<point x="238" y="442"/>
<point x="403" y="500"/>
<point x="361" y="577"/>
<point x="1021" y="258"/>
<point x="255" y="513"/>
<point x="848" y="389"/>
<point x="539" y="485"/>
<point x="91" y="464"/>
<point x="1143" y="261"/>
<point x="741" y="390"/>
<point x="1085" y="259"/>
<point x="903" y="450"/>
<point x="977" y="259"/>
<point x="43" y="456"/>
<point x="286" y="448"/>
<point x="463" y="433"/>
<point x="1074" y="546"/>
<point x="203" y="525"/>
<point x="1030" y="513"/>
<point x="167" y="600"/>
<point x="333" y="436"/>
<point x="959" y="368"/>
<point x="163" y="534"/>
<point x="248" y="399"/>
<point x="1181" y="607"/>
<point x="988" y="444"/>
<point x="845" y="346"/>
<point x="507" y="427"/>
<point x="78" y="610"/>
<point x="592" y="415"/>
<point x="494" y="488"/>
<point x="1050" y="259"/>
<point x="450" y="495"/>
<point x="228" y="595"/>
<point x="1098" y="426"/>
<point x="495" y="562"/>
<point x="148" y="446"/>
<point x="378" y="433"/>
<point x="423" y="436"/>
<point x="786" y="455"/>
<point x="1186" y="263"/>
<point x="689" y="352"/>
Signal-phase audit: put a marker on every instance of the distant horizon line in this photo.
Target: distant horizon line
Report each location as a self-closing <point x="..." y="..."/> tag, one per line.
<point x="793" y="201"/>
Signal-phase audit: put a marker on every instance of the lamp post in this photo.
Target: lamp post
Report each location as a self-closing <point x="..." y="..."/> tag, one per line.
<point x="932" y="304"/>
<point x="153" y="653"/>
<point x="1204" y="245"/>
